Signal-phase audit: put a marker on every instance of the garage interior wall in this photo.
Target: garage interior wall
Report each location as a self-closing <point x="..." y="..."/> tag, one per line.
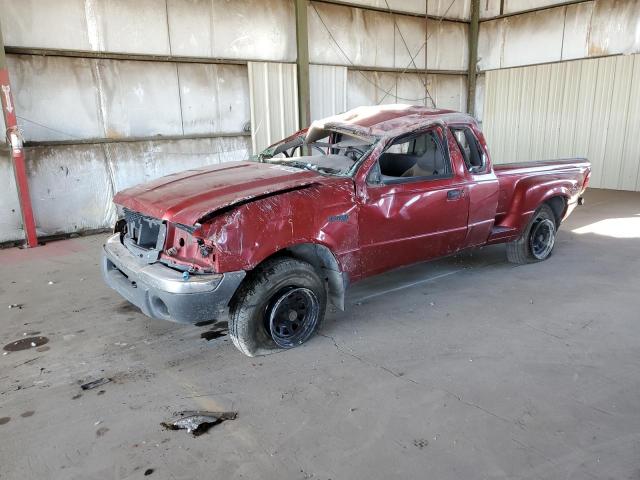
<point x="111" y="93"/>
<point x="577" y="94"/>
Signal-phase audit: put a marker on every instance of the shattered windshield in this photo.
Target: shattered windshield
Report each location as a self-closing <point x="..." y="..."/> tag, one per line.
<point x="335" y="154"/>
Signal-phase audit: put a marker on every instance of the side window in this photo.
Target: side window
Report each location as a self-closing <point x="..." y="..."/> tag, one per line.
<point x="472" y="153"/>
<point x="416" y="156"/>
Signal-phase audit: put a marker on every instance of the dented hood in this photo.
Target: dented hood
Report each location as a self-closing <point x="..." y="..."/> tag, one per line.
<point x="188" y="196"/>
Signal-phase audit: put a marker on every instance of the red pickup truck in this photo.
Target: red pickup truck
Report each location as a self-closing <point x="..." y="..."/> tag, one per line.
<point x="269" y="242"/>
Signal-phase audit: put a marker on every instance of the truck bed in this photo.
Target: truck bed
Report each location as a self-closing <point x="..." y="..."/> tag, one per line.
<point x="567" y="177"/>
<point x="510" y="175"/>
<point x="537" y="167"/>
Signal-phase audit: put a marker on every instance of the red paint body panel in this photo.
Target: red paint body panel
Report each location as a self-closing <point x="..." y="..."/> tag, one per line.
<point x="524" y="186"/>
<point x="248" y="211"/>
<point x="188" y="196"/>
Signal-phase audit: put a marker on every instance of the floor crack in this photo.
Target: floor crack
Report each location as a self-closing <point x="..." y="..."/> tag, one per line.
<point x="368" y="362"/>
<point x="475" y="405"/>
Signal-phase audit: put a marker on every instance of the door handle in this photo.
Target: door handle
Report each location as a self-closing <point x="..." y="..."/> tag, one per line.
<point x="455" y="194"/>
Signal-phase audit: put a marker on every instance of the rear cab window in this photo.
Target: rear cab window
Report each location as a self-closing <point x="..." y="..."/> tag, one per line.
<point x="474" y="157"/>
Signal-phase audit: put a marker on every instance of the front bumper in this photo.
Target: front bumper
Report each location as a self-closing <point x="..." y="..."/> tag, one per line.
<point x="161" y="292"/>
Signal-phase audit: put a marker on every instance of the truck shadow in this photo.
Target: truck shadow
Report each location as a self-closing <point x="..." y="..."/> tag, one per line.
<point x="586" y="261"/>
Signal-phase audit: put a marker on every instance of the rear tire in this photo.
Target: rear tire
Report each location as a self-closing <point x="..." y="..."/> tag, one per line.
<point x="280" y="305"/>
<point x="538" y="239"/>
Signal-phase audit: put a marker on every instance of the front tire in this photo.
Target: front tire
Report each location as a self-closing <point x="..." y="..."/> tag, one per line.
<point x="538" y="239"/>
<point x="280" y="305"/>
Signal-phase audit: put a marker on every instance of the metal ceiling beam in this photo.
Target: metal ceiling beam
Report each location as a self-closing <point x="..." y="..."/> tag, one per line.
<point x="14" y="139"/>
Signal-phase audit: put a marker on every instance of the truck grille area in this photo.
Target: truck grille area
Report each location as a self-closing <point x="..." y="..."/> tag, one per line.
<point x="141" y="229"/>
<point x="144" y="235"/>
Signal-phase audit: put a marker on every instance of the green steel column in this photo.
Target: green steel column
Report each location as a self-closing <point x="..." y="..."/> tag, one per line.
<point x="473" y="56"/>
<point x="302" y="48"/>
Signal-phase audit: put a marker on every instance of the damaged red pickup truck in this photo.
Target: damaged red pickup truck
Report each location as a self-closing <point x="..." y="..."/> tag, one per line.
<point x="269" y="242"/>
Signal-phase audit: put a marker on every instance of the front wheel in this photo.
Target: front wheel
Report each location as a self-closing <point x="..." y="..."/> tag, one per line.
<point x="280" y="305"/>
<point x="537" y="240"/>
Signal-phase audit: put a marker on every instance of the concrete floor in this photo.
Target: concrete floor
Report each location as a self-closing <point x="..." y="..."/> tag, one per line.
<point x="486" y="371"/>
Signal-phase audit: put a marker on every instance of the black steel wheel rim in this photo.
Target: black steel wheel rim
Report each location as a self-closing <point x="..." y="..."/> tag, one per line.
<point x="293" y="315"/>
<point x="542" y="238"/>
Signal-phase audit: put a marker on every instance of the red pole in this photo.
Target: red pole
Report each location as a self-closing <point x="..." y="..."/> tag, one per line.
<point x="14" y="138"/>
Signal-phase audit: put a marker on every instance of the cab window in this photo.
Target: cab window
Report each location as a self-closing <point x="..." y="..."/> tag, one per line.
<point x="415" y="157"/>
<point x="474" y="157"/>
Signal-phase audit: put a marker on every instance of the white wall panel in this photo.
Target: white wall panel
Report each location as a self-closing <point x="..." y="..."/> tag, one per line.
<point x="490" y="44"/>
<point x="138" y="162"/>
<point x="577" y="25"/>
<point x="139" y="99"/>
<point x="56" y="92"/>
<point x="369" y="39"/>
<point x="248" y="29"/>
<point x="99" y="25"/>
<point x="72" y="186"/>
<point x="459" y="9"/>
<point x="615" y="27"/>
<point x="480" y="93"/>
<point x="448" y="46"/>
<point x="126" y="26"/>
<point x="73" y="98"/>
<point x="411" y="6"/>
<point x="328" y="89"/>
<point x="45" y="24"/>
<point x="489" y="8"/>
<point x="214" y="98"/>
<point x="10" y="214"/>
<point x="3" y="138"/>
<point x="533" y="38"/>
<point x="630" y="168"/>
<point x="585" y="108"/>
<point x="617" y="133"/>
<point x="515" y="6"/>
<point x="369" y="88"/>
<point x="273" y="93"/>
<point x="588" y="29"/>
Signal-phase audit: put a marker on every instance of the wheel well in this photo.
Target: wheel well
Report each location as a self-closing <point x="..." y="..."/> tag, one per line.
<point x="558" y="205"/>
<point x="325" y="263"/>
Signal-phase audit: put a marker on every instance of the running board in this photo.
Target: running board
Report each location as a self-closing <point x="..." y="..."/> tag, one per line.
<point x="500" y="233"/>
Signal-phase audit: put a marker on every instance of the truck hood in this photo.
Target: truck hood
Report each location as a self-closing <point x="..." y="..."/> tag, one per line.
<point x="188" y="196"/>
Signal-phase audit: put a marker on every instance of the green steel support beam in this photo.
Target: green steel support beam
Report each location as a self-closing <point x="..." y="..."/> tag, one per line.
<point x="473" y="56"/>
<point x="302" y="47"/>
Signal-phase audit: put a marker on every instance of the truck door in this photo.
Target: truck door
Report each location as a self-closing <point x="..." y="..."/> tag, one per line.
<point x="416" y="204"/>
<point x="482" y="183"/>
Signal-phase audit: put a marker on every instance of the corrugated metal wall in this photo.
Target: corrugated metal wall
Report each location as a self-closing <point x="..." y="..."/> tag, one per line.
<point x="584" y="108"/>
<point x="328" y="90"/>
<point x="273" y="90"/>
<point x="373" y="88"/>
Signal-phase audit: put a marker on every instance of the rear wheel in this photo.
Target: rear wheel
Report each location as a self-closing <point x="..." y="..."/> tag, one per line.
<point x="538" y="239"/>
<point x="280" y="305"/>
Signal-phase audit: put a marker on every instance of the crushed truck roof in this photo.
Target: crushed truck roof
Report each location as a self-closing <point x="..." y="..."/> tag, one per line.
<point x="384" y="120"/>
